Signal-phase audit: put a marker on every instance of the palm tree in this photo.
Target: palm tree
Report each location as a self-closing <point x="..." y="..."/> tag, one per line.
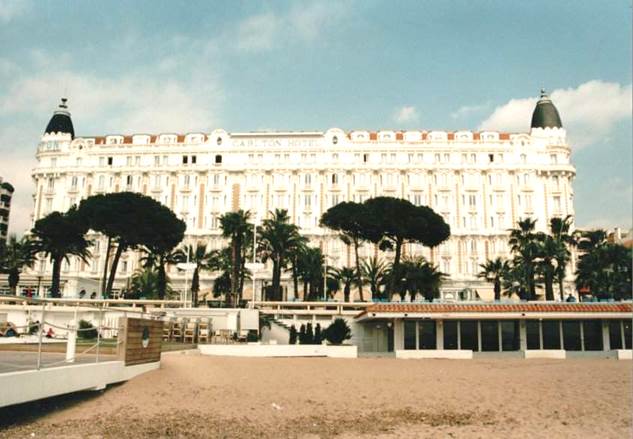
<point x="278" y="239"/>
<point x="297" y="255"/>
<point x="419" y="276"/>
<point x="560" y="231"/>
<point x="523" y="243"/>
<point x="204" y="260"/>
<point x="145" y="282"/>
<point x="235" y="227"/>
<point x="494" y="271"/>
<point x="374" y="272"/>
<point x="59" y="236"/>
<point x="347" y="276"/>
<point x="157" y="260"/>
<point x="14" y="255"/>
<point x="604" y="268"/>
<point x="310" y="270"/>
<point x="549" y="250"/>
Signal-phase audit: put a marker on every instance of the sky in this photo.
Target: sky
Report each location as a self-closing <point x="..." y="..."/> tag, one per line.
<point x="178" y="66"/>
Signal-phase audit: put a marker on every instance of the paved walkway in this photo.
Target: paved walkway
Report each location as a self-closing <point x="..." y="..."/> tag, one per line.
<point x="13" y="361"/>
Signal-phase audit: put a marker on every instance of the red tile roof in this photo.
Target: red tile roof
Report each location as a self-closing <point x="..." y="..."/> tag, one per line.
<point x="559" y="307"/>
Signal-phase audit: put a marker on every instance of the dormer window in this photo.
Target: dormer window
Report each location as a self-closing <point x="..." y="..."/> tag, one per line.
<point x="219" y="142"/>
<point x="335" y="140"/>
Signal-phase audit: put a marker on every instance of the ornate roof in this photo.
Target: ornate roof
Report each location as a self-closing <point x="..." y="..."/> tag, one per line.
<point x="545" y="114"/>
<point x="61" y="121"/>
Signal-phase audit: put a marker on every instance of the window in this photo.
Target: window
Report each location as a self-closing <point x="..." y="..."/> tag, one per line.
<point x="101" y="181"/>
<point x="137" y="160"/>
<point x="551" y="334"/>
<point x="307" y="201"/>
<point x="128" y="181"/>
<point x="216" y="179"/>
<point x="472" y="201"/>
<point x="427" y="334"/>
<point x="473" y="158"/>
<point x="194" y="159"/>
<point x="156" y="160"/>
<point x="409" y="334"/>
<point x="78" y="161"/>
<point x="615" y="334"/>
<point x="489" y="335"/>
<point x="185" y="159"/>
<point x="523" y="158"/>
<point x="334" y="178"/>
<point x="365" y="158"/>
<point x="491" y="157"/>
<point x="307" y="179"/>
<point x="557" y="203"/>
<point x="447" y="158"/>
<point x="437" y="158"/>
<point x="509" y="335"/>
<point x="101" y="161"/>
<point x="592" y="335"/>
<point x="218" y="159"/>
<point x="468" y="335"/>
<point x="110" y="161"/>
<point x="533" y="334"/>
<point x="450" y="334"/>
<point x="73" y="183"/>
<point x="553" y="158"/>
<point x="571" y="335"/>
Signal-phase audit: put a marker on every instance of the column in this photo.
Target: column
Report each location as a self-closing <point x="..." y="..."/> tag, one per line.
<point x="522" y="335"/>
<point x="439" y="334"/>
<point x="606" y="340"/>
<point x="398" y="334"/>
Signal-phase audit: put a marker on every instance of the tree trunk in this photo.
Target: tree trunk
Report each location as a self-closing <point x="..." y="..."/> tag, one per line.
<point x="395" y="272"/>
<point x="295" y="278"/>
<point x="346" y="292"/>
<point x="531" y="283"/>
<point x="105" y="266"/>
<point x="162" y="279"/>
<point x="195" y="287"/>
<point x="497" y="289"/>
<point x="115" y="262"/>
<point x="57" y="266"/>
<point x="276" y="279"/>
<point x="234" y="268"/>
<point x="549" y="285"/>
<point x="561" y="279"/>
<point x="14" y="280"/>
<point x="359" y="278"/>
<point x="305" y="290"/>
<point x="240" y="289"/>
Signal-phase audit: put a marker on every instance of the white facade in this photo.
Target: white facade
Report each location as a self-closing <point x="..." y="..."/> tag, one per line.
<point x="482" y="183"/>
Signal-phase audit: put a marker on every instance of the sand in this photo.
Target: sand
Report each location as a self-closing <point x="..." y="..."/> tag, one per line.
<point x="197" y="396"/>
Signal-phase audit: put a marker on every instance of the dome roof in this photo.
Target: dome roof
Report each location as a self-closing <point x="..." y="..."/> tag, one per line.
<point x="545" y="114"/>
<point x="61" y="121"/>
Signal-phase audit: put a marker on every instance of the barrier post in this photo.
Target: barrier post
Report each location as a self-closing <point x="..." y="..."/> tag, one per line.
<point x="39" y="341"/>
<point x="71" y="344"/>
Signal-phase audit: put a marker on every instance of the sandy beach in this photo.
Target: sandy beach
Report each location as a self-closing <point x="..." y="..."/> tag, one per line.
<point x="198" y="396"/>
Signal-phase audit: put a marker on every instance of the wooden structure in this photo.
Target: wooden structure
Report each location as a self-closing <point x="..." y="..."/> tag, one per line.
<point x="140" y="340"/>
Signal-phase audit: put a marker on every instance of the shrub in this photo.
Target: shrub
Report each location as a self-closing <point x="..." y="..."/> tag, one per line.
<point x="309" y="334"/>
<point x="302" y="334"/>
<point x="293" y="335"/>
<point x="338" y="332"/>
<point x="318" y="335"/>
<point x="86" y="330"/>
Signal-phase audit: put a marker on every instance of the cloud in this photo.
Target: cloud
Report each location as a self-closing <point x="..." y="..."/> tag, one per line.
<point x="10" y="9"/>
<point x="133" y="102"/>
<point x="588" y="112"/>
<point x="467" y="110"/>
<point x="305" y="22"/>
<point x="258" y="32"/>
<point x="406" y="114"/>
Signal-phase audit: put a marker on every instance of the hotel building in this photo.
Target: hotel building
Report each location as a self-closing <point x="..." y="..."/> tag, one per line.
<point x="6" y="193"/>
<point x="482" y="183"/>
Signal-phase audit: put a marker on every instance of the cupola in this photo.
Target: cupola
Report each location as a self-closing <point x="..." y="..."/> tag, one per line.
<point x="61" y="121"/>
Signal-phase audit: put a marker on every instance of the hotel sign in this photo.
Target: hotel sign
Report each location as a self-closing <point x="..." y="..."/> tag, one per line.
<point x="277" y="142"/>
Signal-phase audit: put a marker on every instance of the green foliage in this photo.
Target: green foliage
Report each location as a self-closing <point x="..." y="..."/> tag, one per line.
<point x="204" y="260"/>
<point x="494" y="271"/>
<point x="86" y="330"/>
<point x="15" y="254"/>
<point x="59" y="236"/>
<point x="338" y="332"/>
<point x="131" y="220"/>
<point x="292" y="335"/>
<point x="309" y="337"/>
<point x="604" y="268"/>
<point x="236" y="228"/>
<point x="278" y="240"/>
<point x="318" y="334"/>
<point x="395" y="221"/>
<point x="374" y="272"/>
<point x="302" y="334"/>
<point x="417" y="275"/>
<point x="347" y="276"/>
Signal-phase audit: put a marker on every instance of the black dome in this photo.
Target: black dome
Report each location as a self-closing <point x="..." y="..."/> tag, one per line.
<point x="61" y="121"/>
<point x="545" y="114"/>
